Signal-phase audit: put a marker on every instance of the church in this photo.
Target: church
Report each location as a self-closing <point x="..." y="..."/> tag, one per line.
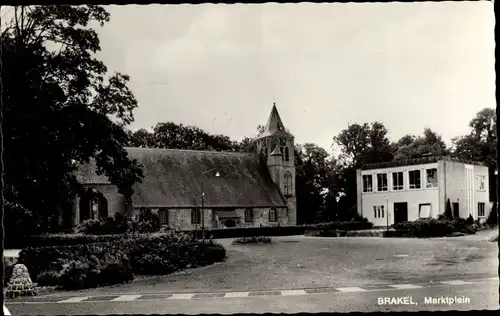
<point x="191" y="189"/>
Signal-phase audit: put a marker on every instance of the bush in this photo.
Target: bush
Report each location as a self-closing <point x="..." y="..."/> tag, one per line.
<point x="470" y="220"/>
<point x="146" y="222"/>
<point x="433" y="227"/>
<point x="48" y="278"/>
<point x="105" y="263"/>
<point x="64" y="240"/>
<point x="103" y="226"/>
<point x="493" y="216"/>
<point x="253" y="240"/>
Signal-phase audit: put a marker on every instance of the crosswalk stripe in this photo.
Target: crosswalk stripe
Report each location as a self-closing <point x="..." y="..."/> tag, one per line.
<point x="182" y="296"/>
<point x="74" y="299"/>
<point x="350" y="289"/>
<point x="455" y="282"/>
<point x="237" y="294"/>
<point x="293" y="292"/>
<point x="406" y="286"/>
<point x="125" y="298"/>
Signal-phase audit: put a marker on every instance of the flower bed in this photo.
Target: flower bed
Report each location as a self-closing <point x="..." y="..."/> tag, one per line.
<point x="253" y="240"/>
<point x="105" y="263"/>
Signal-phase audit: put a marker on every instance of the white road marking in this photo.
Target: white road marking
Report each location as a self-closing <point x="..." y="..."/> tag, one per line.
<point x="406" y="286"/>
<point x="293" y="292"/>
<point x="455" y="282"/>
<point x="125" y="298"/>
<point x="183" y="296"/>
<point x="237" y="294"/>
<point x="74" y="299"/>
<point x="350" y="289"/>
<point x="6" y="311"/>
<point x="402" y="256"/>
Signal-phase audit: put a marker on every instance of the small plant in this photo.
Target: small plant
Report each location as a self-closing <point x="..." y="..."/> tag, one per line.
<point x="47" y="278"/>
<point x="494" y="239"/>
<point x="253" y="240"/>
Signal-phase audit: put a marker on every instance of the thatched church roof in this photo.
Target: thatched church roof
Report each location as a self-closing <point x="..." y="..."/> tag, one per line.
<point x="172" y="178"/>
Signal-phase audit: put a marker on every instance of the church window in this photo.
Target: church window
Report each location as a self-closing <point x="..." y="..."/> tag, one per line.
<point x="248" y="215"/>
<point x="288" y="183"/>
<point x="195" y="216"/>
<point x="163" y="215"/>
<point x="265" y="150"/>
<point x="273" y="216"/>
<point x="282" y="153"/>
<point x="287" y="154"/>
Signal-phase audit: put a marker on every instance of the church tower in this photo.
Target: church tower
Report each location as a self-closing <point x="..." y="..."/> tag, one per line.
<point x="277" y="145"/>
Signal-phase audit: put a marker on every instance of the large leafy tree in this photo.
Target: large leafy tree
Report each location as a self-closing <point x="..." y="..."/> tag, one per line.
<point x="61" y="108"/>
<point x="358" y="144"/>
<point x="430" y="144"/>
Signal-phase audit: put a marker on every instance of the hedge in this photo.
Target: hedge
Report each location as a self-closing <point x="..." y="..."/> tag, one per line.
<point x="431" y="228"/>
<point x="61" y="240"/>
<point x="106" y="263"/>
<point x="253" y="240"/>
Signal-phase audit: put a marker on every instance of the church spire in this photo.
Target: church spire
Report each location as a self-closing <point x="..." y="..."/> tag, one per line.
<point x="274" y="122"/>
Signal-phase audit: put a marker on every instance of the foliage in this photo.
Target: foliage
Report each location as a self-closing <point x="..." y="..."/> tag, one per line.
<point x="431" y="144"/>
<point x="253" y="240"/>
<point x="105" y="263"/>
<point x="60" y="102"/>
<point x="102" y="226"/>
<point x="146" y="222"/>
<point x="492" y="219"/>
<point x="48" y="278"/>
<point x="47" y="240"/>
<point x="470" y="220"/>
<point x="431" y="227"/>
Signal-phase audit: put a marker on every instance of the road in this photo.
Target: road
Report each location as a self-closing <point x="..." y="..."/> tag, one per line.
<point x="479" y="295"/>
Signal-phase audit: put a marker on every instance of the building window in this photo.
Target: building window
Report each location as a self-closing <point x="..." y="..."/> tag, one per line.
<point x="378" y="211"/>
<point x="397" y="181"/>
<point x="273" y="216"/>
<point x="382" y="182"/>
<point x="481" y="209"/>
<point x="195" y="216"/>
<point x="414" y="176"/>
<point x="288" y="183"/>
<point x="163" y="215"/>
<point x="431" y="178"/>
<point x="424" y="210"/>
<point x="367" y="183"/>
<point x="287" y="154"/>
<point x="481" y="183"/>
<point x="248" y="215"/>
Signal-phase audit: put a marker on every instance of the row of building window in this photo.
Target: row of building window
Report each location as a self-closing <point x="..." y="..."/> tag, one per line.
<point x="196" y="216"/>
<point x="398" y="183"/>
<point x="414" y="181"/>
<point x="424" y="210"/>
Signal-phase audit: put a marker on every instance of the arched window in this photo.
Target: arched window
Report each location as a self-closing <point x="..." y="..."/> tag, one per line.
<point x="288" y="183"/>
<point x="273" y="216"/>
<point x="163" y="215"/>
<point x="248" y="215"/>
<point x="102" y="206"/>
<point x="287" y="154"/>
<point x="195" y="216"/>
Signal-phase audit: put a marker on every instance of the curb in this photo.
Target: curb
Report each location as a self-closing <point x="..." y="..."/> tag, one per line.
<point x="197" y="296"/>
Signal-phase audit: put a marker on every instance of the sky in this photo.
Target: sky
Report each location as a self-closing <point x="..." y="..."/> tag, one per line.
<point x="221" y="67"/>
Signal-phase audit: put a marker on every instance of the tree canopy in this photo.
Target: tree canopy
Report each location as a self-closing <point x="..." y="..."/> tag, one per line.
<point x="61" y="107"/>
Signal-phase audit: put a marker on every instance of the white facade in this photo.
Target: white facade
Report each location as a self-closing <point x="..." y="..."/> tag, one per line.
<point x="410" y="192"/>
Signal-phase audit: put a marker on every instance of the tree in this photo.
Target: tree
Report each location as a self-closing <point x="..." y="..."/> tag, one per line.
<point x="430" y="144"/>
<point x="358" y="145"/>
<point x="61" y="108"/>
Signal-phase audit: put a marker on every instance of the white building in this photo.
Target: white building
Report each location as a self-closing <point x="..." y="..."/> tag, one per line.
<point x="407" y="190"/>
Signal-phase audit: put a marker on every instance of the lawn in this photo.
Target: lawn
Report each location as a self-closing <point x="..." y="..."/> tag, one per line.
<point x="310" y="262"/>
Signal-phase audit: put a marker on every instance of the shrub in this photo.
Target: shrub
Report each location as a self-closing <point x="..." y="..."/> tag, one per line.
<point x="65" y="240"/>
<point x="470" y="220"/>
<point x="433" y="227"/>
<point x="253" y="240"/>
<point x="103" y="226"/>
<point x="493" y="216"/>
<point x="146" y="222"/>
<point x="48" y="278"/>
<point x="494" y="239"/>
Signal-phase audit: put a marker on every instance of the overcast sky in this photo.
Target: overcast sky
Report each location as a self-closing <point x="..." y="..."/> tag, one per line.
<point x="408" y="65"/>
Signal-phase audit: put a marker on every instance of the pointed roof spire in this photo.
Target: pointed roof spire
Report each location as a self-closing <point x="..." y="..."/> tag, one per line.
<point x="274" y="122"/>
